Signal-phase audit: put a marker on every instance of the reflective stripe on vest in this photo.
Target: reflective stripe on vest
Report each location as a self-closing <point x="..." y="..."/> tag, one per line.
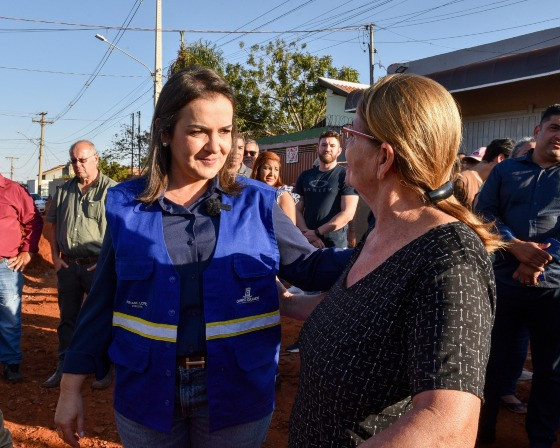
<point x="235" y="327"/>
<point x="144" y="328"/>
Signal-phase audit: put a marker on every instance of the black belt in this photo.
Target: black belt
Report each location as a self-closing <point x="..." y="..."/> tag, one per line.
<point x="191" y="362"/>
<point x="80" y="261"/>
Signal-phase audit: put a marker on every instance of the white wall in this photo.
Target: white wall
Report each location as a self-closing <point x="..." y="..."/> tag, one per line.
<point x="335" y="115"/>
<point x="481" y="130"/>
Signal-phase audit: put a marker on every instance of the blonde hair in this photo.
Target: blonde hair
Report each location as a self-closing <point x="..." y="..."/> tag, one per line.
<point x="421" y="121"/>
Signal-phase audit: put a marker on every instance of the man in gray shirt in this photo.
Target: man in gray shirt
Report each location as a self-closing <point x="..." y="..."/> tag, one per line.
<point x="77" y="216"/>
<point x="239" y="168"/>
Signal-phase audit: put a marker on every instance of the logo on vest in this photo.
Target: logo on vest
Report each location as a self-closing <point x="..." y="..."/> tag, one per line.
<point x="247" y="297"/>
<point x="136" y="304"/>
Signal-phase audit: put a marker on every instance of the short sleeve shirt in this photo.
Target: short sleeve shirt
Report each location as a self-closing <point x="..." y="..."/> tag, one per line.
<point x="420" y="321"/>
<point x="80" y="218"/>
<point x="321" y="192"/>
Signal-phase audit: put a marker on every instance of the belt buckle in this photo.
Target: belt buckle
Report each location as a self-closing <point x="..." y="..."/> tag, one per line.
<point x="193" y="362"/>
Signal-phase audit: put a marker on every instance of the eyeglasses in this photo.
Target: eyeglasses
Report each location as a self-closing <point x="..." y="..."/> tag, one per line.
<point x="350" y="134"/>
<point x="251" y="153"/>
<point x="82" y="161"/>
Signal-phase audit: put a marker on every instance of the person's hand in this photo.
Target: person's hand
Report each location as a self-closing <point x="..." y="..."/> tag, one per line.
<point x="59" y="263"/>
<point x="313" y="239"/>
<point x="318" y="243"/>
<point x="19" y="262"/>
<point x="527" y="274"/>
<point x="91" y="268"/>
<point x="283" y="293"/>
<point x="530" y="253"/>
<point x="69" y="415"/>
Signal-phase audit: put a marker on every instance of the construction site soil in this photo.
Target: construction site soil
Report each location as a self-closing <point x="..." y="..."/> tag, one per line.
<point x="29" y="409"/>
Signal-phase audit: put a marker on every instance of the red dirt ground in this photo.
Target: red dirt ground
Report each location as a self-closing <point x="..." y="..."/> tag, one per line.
<point x="29" y="409"/>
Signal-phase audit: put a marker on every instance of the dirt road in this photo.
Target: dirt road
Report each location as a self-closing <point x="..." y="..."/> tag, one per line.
<point x="29" y="409"/>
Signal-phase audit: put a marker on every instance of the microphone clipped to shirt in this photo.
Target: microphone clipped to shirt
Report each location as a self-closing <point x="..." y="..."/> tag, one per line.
<point x="214" y="206"/>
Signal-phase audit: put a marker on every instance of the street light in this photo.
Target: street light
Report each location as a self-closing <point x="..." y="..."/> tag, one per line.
<point x="155" y="75"/>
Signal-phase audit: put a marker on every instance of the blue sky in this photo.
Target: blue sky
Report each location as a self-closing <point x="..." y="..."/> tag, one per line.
<point x="46" y="66"/>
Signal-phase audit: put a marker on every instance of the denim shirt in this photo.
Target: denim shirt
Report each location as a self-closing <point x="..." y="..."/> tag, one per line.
<point x="524" y="200"/>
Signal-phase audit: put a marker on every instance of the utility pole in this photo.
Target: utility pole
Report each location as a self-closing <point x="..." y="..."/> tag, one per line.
<point x="43" y="122"/>
<point x="158" y="64"/>
<point x="132" y="145"/>
<point x="139" y="137"/>
<point x="371" y="53"/>
<point x="12" y="166"/>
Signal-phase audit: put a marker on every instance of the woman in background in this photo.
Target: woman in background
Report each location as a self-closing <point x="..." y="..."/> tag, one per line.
<point x="267" y="170"/>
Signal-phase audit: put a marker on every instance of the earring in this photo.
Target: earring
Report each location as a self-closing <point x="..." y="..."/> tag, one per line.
<point x="164" y="144"/>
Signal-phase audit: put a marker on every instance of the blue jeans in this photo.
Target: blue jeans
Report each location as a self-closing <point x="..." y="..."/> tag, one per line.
<point x="537" y="309"/>
<point x="190" y="422"/>
<point x="338" y="238"/>
<point x="11" y="287"/>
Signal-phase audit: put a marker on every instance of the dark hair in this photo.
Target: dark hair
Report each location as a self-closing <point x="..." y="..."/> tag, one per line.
<point x="554" y="109"/>
<point x="261" y="160"/>
<point x="520" y="144"/>
<point x="330" y="133"/>
<point x="499" y="146"/>
<point x="180" y="89"/>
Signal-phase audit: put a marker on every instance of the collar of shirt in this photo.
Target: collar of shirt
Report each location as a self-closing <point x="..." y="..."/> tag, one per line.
<point x="90" y="186"/>
<point x="167" y="205"/>
<point x="528" y="158"/>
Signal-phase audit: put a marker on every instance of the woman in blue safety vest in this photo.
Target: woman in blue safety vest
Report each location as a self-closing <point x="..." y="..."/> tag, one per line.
<point x="184" y="302"/>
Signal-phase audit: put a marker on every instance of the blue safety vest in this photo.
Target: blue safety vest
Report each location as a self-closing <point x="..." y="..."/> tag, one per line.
<point x="240" y="308"/>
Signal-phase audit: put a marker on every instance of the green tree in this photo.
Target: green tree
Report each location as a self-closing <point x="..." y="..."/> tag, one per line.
<point x="278" y="90"/>
<point x="128" y="147"/>
<point x="113" y="169"/>
<point x="202" y="53"/>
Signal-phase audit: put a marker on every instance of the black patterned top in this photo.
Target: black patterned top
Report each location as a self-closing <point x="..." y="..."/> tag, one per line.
<point x="420" y="321"/>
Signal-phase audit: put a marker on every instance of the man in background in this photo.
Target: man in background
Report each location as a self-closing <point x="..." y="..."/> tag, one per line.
<point x="468" y="182"/>
<point x="521" y="197"/>
<point x="77" y="215"/>
<point x="251" y="153"/>
<point x="326" y="203"/>
<point x="239" y="168"/>
<point x="20" y="226"/>
<point x="523" y="146"/>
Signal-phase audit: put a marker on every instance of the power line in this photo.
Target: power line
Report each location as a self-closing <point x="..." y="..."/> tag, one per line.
<point x="168" y="30"/>
<point x="275" y="18"/>
<point x="458" y="15"/>
<point x="101" y="64"/>
<point x="36" y="70"/>
<point x="101" y="117"/>
<point x="255" y="19"/>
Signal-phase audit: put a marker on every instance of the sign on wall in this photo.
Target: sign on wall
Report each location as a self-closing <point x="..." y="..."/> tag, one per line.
<point x="292" y="154"/>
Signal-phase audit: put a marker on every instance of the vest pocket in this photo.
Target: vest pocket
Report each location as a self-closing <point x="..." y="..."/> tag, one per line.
<point x="129" y="268"/>
<point x="251" y="356"/>
<point x="133" y="357"/>
<point x="246" y="266"/>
